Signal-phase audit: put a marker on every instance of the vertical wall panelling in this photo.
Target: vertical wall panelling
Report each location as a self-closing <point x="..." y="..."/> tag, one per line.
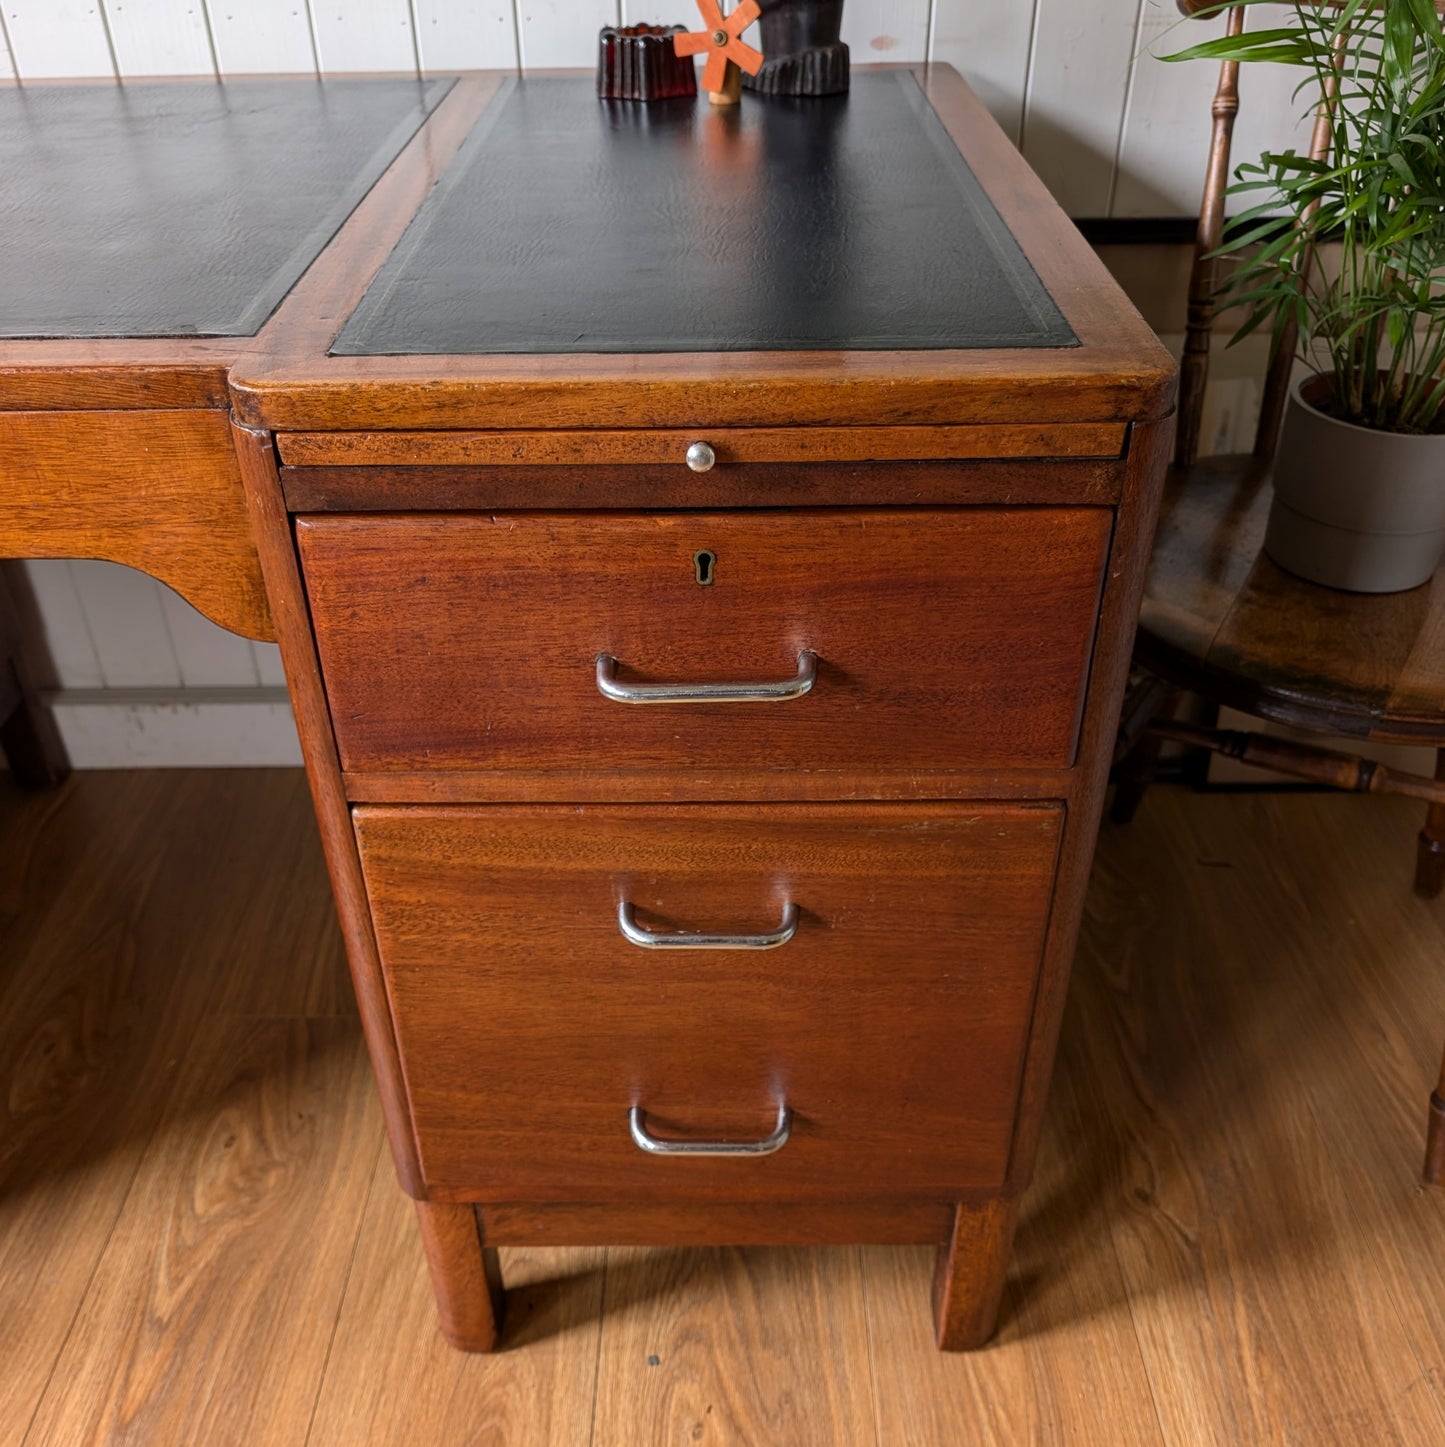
<point x="195" y="729"/>
<point x="128" y="625"/>
<point x="267" y="657"/>
<point x="206" y="656"/>
<point x="364" y="35"/>
<point x="7" y="66"/>
<point x="668" y="12"/>
<point x="1078" y="80"/>
<point x="58" y="37"/>
<point x="989" y="45"/>
<point x="564" y="32"/>
<point x="1166" y="133"/>
<point x="66" y="638"/>
<point x="886" y="29"/>
<point x="466" y="34"/>
<point x="258" y="36"/>
<point x="160" y="37"/>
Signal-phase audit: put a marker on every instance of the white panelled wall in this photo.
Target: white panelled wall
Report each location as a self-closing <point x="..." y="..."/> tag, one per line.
<point x="1114" y="132"/>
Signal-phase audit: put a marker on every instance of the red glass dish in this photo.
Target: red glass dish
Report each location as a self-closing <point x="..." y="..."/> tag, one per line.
<point x="637" y="62"/>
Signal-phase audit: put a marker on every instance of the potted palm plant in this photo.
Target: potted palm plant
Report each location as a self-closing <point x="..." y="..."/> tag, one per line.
<point x="1350" y="250"/>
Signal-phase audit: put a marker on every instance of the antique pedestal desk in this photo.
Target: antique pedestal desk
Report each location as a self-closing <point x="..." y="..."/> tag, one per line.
<point x="704" y="546"/>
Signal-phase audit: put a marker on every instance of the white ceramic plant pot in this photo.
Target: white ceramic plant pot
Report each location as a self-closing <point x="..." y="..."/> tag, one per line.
<point x="1355" y="508"/>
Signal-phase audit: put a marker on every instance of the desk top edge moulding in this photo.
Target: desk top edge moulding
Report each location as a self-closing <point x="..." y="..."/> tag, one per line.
<point x="753" y="171"/>
<point x="758" y="579"/>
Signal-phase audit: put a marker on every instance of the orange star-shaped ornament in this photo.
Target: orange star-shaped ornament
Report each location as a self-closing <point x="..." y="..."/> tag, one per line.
<point x="721" y="40"/>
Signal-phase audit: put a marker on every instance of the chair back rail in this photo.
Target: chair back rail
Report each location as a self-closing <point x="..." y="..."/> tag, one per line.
<point x="1204" y="275"/>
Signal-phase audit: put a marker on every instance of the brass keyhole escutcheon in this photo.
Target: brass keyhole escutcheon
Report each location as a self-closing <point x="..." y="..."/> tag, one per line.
<point x="704" y="565"/>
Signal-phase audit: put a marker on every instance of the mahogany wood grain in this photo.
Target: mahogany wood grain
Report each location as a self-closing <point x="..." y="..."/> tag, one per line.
<point x="1119" y="373"/>
<point x="272" y="532"/>
<point x="528" y="1025"/>
<point x="466" y="1276"/>
<point x="134" y="373"/>
<point x="944" y="639"/>
<point x="682" y="786"/>
<point x="733" y="445"/>
<point x="811" y="389"/>
<point x="158" y="490"/>
<point x="1118" y="616"/>
<point x="804" y="1223"/>
<point x="665" y="485"/>
<point x="968" y="1280"/>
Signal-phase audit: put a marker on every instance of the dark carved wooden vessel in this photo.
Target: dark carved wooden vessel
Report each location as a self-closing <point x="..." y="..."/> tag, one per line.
<point x="802" y="52"/>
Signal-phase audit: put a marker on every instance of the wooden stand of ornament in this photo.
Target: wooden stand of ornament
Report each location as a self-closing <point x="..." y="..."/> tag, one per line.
<point x="802" y="54"/>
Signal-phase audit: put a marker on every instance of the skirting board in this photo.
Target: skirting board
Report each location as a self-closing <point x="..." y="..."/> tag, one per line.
<point x="194" y="728"/>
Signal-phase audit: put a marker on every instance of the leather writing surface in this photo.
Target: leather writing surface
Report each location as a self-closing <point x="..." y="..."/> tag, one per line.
<point x="182" y="209"/>
<point x="570" y="224"/>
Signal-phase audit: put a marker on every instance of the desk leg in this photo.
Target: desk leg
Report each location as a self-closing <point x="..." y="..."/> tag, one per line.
<point x="466" y="1276"/>
<point x="28" y="736"/>
<point x="968" y="1283"/>
<point x="1435" y="1134"/>
<point x="31" y="743"/>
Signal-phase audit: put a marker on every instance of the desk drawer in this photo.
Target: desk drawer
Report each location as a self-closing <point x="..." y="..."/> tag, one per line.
<point x="892" y="1023"/>
<point x="943" y="638"/>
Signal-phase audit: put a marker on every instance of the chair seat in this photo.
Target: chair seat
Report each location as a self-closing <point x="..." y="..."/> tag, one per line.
<point x="1219" y="617"/>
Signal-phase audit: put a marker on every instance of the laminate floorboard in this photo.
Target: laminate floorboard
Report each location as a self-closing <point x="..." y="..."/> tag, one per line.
<point x="201" y="1239"/>
<point x="1207" y="1005"/>
<point x="211" y="1312"/>
<point x="392" y="1379"/>
<point x="124" y="900"/>
<point x="723" y="1346"/>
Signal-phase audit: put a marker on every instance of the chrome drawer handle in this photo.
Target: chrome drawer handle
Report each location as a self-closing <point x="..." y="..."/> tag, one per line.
<point x="608" y="686"/>
<point x="691" y="940"/>
<point x="644" y="1140"/>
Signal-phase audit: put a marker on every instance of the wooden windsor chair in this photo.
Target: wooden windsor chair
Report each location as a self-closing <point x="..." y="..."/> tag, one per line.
<point x="1219" y="619"/>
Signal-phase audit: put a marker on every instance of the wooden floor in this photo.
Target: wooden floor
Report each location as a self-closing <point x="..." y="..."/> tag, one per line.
<point x="201" y="1240"/>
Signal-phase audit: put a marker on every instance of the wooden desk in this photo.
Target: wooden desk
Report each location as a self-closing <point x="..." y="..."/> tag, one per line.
<point x="898" y="578"/>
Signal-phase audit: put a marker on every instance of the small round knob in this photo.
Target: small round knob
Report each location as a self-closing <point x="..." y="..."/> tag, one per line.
<point x="700" y="457"/>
